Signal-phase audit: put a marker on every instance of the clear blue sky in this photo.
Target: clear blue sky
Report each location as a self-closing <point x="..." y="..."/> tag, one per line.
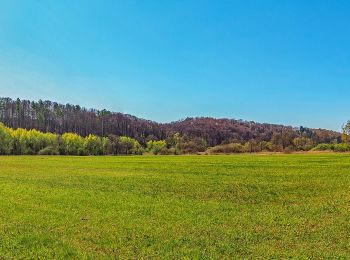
<point x="268" y="61"/>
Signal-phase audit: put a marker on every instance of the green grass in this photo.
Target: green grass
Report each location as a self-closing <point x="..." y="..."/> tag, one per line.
<point x="175" y="207"/>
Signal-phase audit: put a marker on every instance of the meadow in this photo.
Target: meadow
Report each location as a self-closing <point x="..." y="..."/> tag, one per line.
<point x="251" y="206"/>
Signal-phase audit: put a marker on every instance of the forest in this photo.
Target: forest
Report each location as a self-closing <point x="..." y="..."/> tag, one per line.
<point x="47" y="127"/>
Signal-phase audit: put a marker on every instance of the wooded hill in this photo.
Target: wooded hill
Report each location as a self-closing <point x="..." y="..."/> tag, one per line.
<point x="48" y="116"/>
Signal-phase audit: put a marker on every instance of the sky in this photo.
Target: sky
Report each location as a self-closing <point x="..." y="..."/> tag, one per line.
<point x="285" y="62"/>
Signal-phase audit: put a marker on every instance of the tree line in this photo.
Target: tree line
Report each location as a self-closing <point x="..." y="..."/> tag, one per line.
<point x="21" y="141"/>
<point x="31" y="142"/>
<point x="48" y="116"/>
<point x="191" y="135"/>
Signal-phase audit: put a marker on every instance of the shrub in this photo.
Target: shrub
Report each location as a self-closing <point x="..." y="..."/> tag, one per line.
<point x="92" y="145"/>
<point x="251" y="147"/>
<point x="6" y="142"/>
<point x="288" y="150"/>
<point x="341" y="147"/>
<point x="227" y="148"/>
<point x="73" y="144"/>
<point x="333" y="147"/>
<point x="195" y="145"/>
<point x="265" y="146"/>
<point x="121" y="145"/>
<point x="324" y="147"/>
<point x="157" y="147"/>
<point x="50" y="150"/>
<point x="303" y="143"/>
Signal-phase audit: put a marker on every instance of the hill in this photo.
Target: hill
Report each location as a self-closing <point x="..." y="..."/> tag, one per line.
<point x="48" y="116"/>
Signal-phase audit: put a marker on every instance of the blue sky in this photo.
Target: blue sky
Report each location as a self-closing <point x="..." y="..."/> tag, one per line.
<point x="269" y="61"/>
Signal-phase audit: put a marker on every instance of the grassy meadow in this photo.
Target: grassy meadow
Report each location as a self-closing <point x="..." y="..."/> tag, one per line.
<point x="175" y="206"/>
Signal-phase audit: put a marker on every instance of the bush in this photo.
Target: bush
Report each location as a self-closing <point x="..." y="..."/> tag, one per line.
<point x="288" y="150"/>
<point x="227" y="148"/>
<point x="332" y="147"/>
<point x="341" y="147"/>
<point x="265" y="146"/>
<point x="193" y="146"/>
<point x="6" y="142"/>
<point x="167" y="151"/>
<point x="123" y="145"/>
<point x="48" y="151"/>
<point x="324" y="147"/>
<point x="73" y="144"/>
<point x="157" y="147"/>
<point x="303" y="143"/>
<point x="92" y="145"/>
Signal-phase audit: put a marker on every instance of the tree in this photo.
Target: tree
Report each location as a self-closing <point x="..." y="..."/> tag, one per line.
<point x="282" y="140"/>
<point x="36" y="141"/>
<point x="175" y="142"/>
<point x="106" y="146"/>
<point x="93" y="145"/>
<point x="252" y="146"/>
<point x="265" y="146"/>
<point x="20" y="142"/>
<point x="193" y="145"/>
<point x="346" y="133"/>
<point x="102" y="114"/>
<point x="303" y="143"/>
<point x="156" y="147"/>
<point x="47" y="116"/>
<point x="73" y="144"/>
<point x="6" y="143"/>
<point x="123" y="145"/>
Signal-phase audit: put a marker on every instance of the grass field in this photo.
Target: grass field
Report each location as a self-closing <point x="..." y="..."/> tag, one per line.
<point x="174" y="207"/>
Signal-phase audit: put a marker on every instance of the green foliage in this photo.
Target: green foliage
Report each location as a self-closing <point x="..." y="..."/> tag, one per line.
<point x="106" y="146"/>
<point x="122" y="145"/>
<point x="28" y="142"/>
<point x="346" y="133"/>
<point x="6" y="141"/>
<point x="37" y="141"/>
<point x="175" y="142"/>
<point x="157" y="147"/>
<point x="343" y="147"/>
<point x="73" y="144"/>
<point x="265" y="146"/>
<point x="20" y="140"/>
<point x="303" y="143"/>
<point x="323" y="147"/>
<point x="49" y="150"/>
<point x="93" y="145"/>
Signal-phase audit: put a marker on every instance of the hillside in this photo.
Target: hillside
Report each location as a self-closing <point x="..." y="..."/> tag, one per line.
<point x="48" y="116"/>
